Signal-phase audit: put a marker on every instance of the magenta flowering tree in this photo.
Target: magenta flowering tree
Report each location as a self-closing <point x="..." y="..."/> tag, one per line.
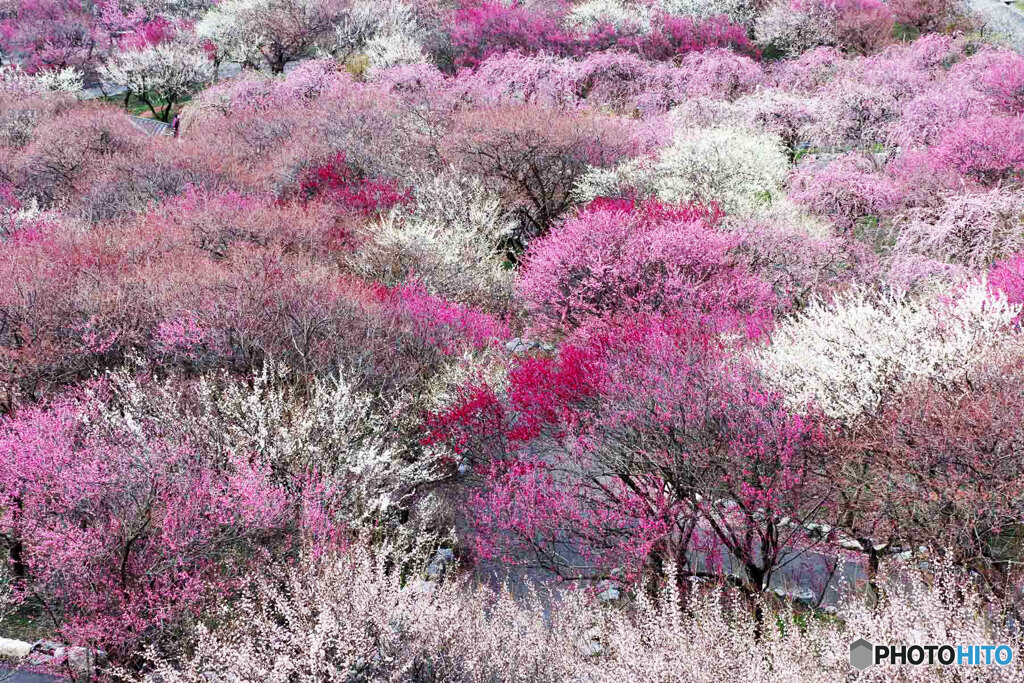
<point x="1007" y="277"/>
<point x="984" y="148"/>
<point x="52" y="34"/>
<point x="339" y="182"/>
<point x="123" y="529"/>
<point x="636" y="447"/>
<point x="491" y="28"/>
<point x="847" y="191"/>
<point x="1003" y="82"/>
<point x="619" y="257"/>
<point x="442" y="324"/>
<point x="674" y="36"/>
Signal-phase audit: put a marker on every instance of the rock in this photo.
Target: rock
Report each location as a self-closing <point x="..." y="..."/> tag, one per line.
<point x="520" y="345"/>
<point x="45" y="652"/>
<point x="818" y="530"/>
<point x="610" y="591"/>
<point x="439" y="565"/>
<point x="590" y="645"/>
<point x="801" y="595"/>
<point x="83" y="660"/>
<point x="14" y="649"/>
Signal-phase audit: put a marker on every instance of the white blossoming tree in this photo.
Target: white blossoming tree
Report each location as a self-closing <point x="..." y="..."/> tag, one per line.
<point x="587" y="15"/>
<point x="160" y="76"/>
<point x="741" y="11"/>
<point x="742" y="170"/>
<point x="278" y="31"/>
<point x="232" y="37"/>
<point x="846" y="356"/>
<point x="387" y="33"/>
<point x="448" y="240"/>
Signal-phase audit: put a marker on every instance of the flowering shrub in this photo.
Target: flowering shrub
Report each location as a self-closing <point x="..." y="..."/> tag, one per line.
<point x="127" y="535"/>
<point x="1007" y="276"/>
<point x="619" y="258"/>
<point x="740" y="11"/>
<point x="490" y="28"/>
<point x="279" y="31"/>
<point x="621" y="81"/>
<point x="600" y="491"/>
<point x="1003" y="81"/>
<point x="532" y="160"/>
<point x="131" y="507"/>
<point x="50" y="34"/>
<point x="984" y="148"/>
<point x="589" y="15"/>
<point x="972" y="229"/>
<point x="800" y="265"/>
<point x="437" y="321"/>
<point x="795" y="26"/>
<point x="447" y="239"/>
<point x="720" y="73"/>
<point x="933" y="487"/>
<point x="387" y="33"/>
<point x="164" y="72"/>
<point x="926" y="15"/>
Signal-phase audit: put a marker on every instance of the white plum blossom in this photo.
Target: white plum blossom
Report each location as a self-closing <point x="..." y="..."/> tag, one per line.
<point x="392" y="49"/>
<point x="69" y="80"/>
<point x="65" y="80"/>
<point x="354" y="617"/>
<point x="227" y="28"/>
<point x="845" y="356"/>
<point x="589" y="14"/>
<point x="278" y="31"/>
<point x="741" y="169"/>
<point x="447" y="237"/>
<point x="167" y="72"/>
<point x="740" y="11"/>
<point x="386" y="32"/>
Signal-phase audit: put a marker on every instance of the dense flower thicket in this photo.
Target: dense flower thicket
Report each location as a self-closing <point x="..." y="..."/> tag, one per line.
<point x="640" y="295"/>
<point x="355" y="618"/>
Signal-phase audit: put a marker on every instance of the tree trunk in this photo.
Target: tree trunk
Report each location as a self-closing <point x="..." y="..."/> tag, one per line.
<point x="872" y="568"/>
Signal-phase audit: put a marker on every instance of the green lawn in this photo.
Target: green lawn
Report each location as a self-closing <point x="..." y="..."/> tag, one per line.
<point x="138" y="108"/>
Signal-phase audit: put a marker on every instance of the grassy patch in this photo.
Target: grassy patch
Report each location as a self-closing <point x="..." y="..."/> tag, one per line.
<point x="136" y="107"/>
<point x="29" y="622"/>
